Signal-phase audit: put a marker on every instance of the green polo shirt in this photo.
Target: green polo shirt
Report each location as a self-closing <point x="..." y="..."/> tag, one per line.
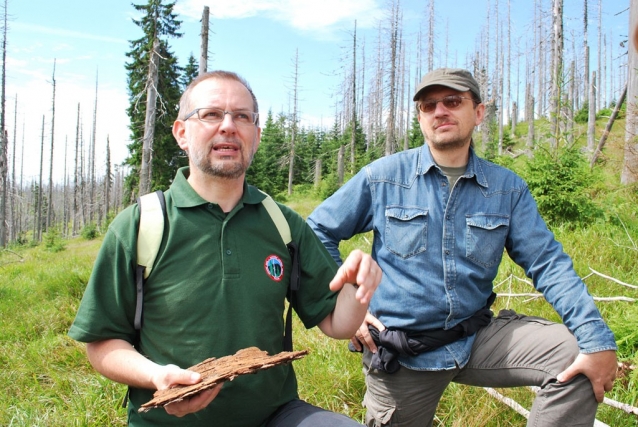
<point x="218" y="285"/>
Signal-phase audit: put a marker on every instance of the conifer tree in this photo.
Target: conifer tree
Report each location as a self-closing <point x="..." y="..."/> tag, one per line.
<point x="268" y="171"/>
<point x="158" y="22"/>
<point x="191" y="70"/>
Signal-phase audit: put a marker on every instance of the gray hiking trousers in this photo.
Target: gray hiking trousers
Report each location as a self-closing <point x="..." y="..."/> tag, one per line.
<point x="512" y="351"/>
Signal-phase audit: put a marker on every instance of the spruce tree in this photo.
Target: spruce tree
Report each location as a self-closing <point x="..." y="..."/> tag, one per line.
<point x="268" y="171"/>
<point x="158" y="21"/>
<point x="191" y="70"/>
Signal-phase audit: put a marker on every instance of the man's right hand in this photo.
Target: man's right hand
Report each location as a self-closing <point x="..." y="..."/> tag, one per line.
<point x="171" y="375"/>
<point x="362" y="336"/>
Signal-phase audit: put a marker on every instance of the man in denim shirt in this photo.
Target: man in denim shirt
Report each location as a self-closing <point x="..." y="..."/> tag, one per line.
<point x="441" y="217"/>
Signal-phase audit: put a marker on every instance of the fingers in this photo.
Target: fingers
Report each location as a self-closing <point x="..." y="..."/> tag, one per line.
<point x="360" y="269"/>
<point x="363" y="338"/>
<point x="193" y="404"/>
<point x="600" y="368"/>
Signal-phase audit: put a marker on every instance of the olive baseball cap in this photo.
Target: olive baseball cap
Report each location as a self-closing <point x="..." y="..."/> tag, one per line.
<point x="454" y="78"/>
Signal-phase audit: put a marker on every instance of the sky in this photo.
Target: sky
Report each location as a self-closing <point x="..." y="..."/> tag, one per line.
<point x="87" y="40"/>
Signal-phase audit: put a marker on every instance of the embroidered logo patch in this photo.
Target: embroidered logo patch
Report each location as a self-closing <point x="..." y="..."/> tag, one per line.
<point x="274" y="267"/>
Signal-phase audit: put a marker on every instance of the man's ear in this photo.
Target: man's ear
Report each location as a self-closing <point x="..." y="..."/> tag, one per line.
<point x="480" y="114"/>
<point x="179" y="133"/>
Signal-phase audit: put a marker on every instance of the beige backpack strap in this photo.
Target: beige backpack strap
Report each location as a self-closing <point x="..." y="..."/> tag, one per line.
<point x="151" y="229"/>
<point x="278" y="218"/>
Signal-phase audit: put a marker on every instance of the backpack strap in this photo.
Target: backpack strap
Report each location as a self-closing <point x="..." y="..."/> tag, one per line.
<point x="149" y="238"/>
<point x="284" y="231"/>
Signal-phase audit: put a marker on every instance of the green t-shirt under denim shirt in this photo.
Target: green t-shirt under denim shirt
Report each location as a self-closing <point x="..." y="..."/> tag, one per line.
<point x="218" y="285"/>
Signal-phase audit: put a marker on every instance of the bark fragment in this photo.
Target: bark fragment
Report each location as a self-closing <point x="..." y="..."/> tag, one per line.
<point x="215" y="371"/>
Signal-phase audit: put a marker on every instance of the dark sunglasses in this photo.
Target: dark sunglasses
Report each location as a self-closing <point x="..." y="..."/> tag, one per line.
<point x="451" y="102"/>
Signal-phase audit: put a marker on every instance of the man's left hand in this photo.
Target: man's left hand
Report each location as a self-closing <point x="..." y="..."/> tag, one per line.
<point x="600" y="367"/>
<point x="361" y="270"/>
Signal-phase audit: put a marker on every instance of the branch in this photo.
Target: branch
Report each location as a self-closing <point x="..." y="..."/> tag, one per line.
<point x="622" y="406"/>
<point x="539" y="295"/>
<point x="506" y="400"/>
<point x="613" y="280"/>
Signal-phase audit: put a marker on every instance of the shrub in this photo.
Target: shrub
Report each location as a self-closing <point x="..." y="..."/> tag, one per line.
<point x="53" y="242"/>
<point x="89" y="231"/>
<point x="560" y="182"/>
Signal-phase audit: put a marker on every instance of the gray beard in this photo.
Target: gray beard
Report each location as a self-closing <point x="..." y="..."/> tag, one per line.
<point x="226" y="172"/>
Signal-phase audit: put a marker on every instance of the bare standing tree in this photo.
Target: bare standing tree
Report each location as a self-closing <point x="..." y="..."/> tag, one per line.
<point x="14" y="223"/>
<point x="76" y="177"/>
<point x="557" y="69"/>
<point x="293" y="130"/>
<point x="3" y="137"/>
<point x="585" y="49"/>
<point x="591" y="119"/>
<point x="149" y="124"/>
<point x="108" y="179"/>
<point x="353" y="119"/>
<point x="203" y="52"/>
<point x="37" y="228"/>
<point x="392" y="79"/>
<point x="50" y="197"/>
<point x="91" y="164"/>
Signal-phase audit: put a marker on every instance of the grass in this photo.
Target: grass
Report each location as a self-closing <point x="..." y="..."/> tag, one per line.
<point x="47" y="380"/>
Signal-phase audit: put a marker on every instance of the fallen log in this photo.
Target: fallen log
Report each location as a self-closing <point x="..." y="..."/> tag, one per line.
<point x="215" y="371"/>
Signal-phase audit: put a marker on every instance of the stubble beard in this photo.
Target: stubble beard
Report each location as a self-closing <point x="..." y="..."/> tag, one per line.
<point x="222" y="169"/>
<point x="448" y="141"/>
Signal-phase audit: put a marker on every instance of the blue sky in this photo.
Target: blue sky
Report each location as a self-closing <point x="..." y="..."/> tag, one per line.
<point x="256" y="38"/>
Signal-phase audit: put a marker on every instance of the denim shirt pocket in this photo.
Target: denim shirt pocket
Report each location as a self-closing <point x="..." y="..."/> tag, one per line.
<point x="406" y="230"/>
<point x="485" y="238"/>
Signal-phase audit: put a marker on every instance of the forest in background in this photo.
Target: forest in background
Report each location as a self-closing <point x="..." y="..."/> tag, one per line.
<point x="537" y="93"/>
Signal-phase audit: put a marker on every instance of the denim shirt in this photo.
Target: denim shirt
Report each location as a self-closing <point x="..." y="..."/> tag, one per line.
<point x="440" y="248"/>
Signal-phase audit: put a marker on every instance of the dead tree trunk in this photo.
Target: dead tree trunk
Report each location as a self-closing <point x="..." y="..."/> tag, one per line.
<point x="37" y="228"/>
<point x="14" y="194"/>
<point x="557" y="69"/>
<point x="591" y="120"/>
<point x="353" y="120"/>
<point x="76" y="183"/>
<point x="391" y="119"/>
<point x="585" y="50"/>
<point x="3" y="137"/>
<point x="50" y="197"/>
<point x="92" y="156"/>
<point x="107" y="180"/>
<point x="203" y="53"/>
<point x="607" y="130"/>
<point x="291" y="165"/>
<point x="340" y="165"/>
<point x="149" y="123"/>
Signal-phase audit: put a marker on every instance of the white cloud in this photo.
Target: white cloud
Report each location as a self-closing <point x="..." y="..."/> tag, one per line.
<point x="307" y="15"/>
<point x="40" y="29"/>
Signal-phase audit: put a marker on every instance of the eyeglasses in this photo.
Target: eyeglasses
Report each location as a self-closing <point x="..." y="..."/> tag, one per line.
<point x="451" y="102"/>
<point x="216" y="115"/>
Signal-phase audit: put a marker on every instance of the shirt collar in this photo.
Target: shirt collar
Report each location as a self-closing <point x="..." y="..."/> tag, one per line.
<point x="474" y="165"/>
<point x="184" y="196"/>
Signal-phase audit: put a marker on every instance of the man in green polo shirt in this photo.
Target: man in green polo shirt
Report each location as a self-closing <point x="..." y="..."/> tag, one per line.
<point x="219" y="282"/>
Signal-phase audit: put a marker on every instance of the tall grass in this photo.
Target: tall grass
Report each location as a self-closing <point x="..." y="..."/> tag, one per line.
<point x="47" y="381"/>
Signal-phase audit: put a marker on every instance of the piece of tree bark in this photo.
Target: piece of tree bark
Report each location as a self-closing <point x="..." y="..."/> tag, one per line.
<point x="215" y="371"/>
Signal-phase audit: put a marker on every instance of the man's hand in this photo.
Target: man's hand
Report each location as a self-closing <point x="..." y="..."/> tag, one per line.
<point x="363" y="338"/>
<point x="171" y="375"/>
<point x="361" y="270"/>
<point x="600" y="367"/>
